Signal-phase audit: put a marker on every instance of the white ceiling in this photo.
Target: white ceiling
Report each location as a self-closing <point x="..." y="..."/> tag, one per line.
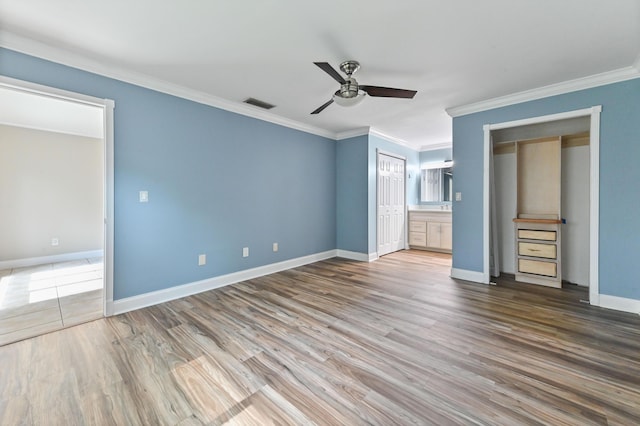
<point x="452" y="52"/>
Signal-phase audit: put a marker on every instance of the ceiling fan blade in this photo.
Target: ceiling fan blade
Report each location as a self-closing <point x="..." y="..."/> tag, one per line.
<point x="388" y="92"/>
<point x="320" y="109"/>
<point x="331" y="71"/>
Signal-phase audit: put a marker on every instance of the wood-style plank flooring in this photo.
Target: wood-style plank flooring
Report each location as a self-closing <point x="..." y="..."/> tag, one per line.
<point x="337" y="342"/>
<point x="39" y="299"/>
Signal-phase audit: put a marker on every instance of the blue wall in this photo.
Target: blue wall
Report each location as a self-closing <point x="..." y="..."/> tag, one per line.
<point x="356" y="209"/>
<point x="619" y="176"/>
<point x="351" y="213"/>
<point x="436" y="155"/>
<point x="412" y="185"/>
<point x="217" y="182"/>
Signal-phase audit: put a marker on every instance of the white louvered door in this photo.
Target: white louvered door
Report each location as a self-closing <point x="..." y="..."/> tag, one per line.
<point x="391" y="204"/>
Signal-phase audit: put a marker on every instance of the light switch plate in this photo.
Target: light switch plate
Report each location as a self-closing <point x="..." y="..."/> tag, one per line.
<point x="245" y="252"/>
<point x="144" y="196"/>
<point x="202" y="259"/>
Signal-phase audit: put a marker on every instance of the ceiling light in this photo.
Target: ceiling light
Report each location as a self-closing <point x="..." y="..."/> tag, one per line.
<point x="348" y="102"/>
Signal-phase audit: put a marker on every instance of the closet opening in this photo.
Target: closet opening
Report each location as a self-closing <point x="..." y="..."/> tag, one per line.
<point x="540" y="200"/>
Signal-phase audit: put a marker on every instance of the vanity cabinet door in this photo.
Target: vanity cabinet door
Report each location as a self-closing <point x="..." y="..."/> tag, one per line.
<point x="433" y="234"/>
<point x="439" y="235"/>
<point x="446" y="240"/>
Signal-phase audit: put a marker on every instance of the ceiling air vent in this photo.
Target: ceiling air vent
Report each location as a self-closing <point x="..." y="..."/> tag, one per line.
<point x="258" y="103"/>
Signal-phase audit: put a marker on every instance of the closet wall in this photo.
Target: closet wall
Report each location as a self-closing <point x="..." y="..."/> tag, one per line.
<point x="575" y="202"/>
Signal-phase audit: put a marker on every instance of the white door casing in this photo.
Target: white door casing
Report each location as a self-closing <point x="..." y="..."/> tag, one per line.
<point x="391" y="204"/>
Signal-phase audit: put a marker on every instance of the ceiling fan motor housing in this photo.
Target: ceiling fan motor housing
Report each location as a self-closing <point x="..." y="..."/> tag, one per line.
<point x="348" y="89"/>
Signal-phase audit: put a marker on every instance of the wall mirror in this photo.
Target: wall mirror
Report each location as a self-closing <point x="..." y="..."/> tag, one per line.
<point x="436" y="182"/>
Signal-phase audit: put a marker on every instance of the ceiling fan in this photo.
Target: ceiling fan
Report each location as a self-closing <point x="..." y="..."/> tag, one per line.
<point x="350" y="92"/>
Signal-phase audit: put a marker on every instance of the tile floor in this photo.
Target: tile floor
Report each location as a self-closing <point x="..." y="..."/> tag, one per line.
<point x="44" y="298"/>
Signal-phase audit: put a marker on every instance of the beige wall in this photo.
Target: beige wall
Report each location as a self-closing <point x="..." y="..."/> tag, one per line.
<point x="50" y="187"/>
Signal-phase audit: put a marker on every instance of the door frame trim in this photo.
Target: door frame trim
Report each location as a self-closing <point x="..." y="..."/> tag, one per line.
<point x="107" y="106"/>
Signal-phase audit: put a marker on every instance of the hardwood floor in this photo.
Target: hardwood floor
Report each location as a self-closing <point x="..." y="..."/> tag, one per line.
<point x="337" y="342"/>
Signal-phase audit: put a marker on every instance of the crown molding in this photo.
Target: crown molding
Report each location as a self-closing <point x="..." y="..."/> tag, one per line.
<point x="378" y="133"/>
<point x="435" y="146"/>
<point x="347" y="134"/>
<point x="41" y="50"/>
<point x="362" y="131"/>
<point x="609" y="77"/>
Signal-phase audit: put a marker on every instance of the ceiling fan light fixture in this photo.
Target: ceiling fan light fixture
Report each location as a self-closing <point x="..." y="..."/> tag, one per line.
<point x="350" y="92"/>
<point x="348" y="102"/>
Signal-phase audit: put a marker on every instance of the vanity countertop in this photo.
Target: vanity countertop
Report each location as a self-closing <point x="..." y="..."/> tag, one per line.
<point x="430" y="209"/>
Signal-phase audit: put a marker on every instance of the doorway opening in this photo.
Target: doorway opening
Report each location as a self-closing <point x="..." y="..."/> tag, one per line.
<point x="56" y="258"/>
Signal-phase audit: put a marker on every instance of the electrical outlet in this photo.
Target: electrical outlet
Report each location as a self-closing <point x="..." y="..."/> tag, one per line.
<point x="245" y="252"/>
<point x="202" y="259"/>
<point x="458" y="196"/>
<point x="275" y="246"/>
<point x="143" y="196"/>
<point x="55" y="242"/>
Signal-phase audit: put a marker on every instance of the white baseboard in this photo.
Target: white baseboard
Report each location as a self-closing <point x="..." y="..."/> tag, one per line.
<point x="153" y="298"/>
<point x="64" y="257"/>
<point x="355" y="255"/>
<point x="619" y="303"/>
<point x="352" y="255"/>
<point x="463" y="274"/>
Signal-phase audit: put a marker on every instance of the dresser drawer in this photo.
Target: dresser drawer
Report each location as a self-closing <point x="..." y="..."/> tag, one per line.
<point x="548" y="251"/>
<point x="417" y="226"/>
<point x="537" y="267"/>
<point x="418" y="239"/>
<point x="530" y="234"/>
